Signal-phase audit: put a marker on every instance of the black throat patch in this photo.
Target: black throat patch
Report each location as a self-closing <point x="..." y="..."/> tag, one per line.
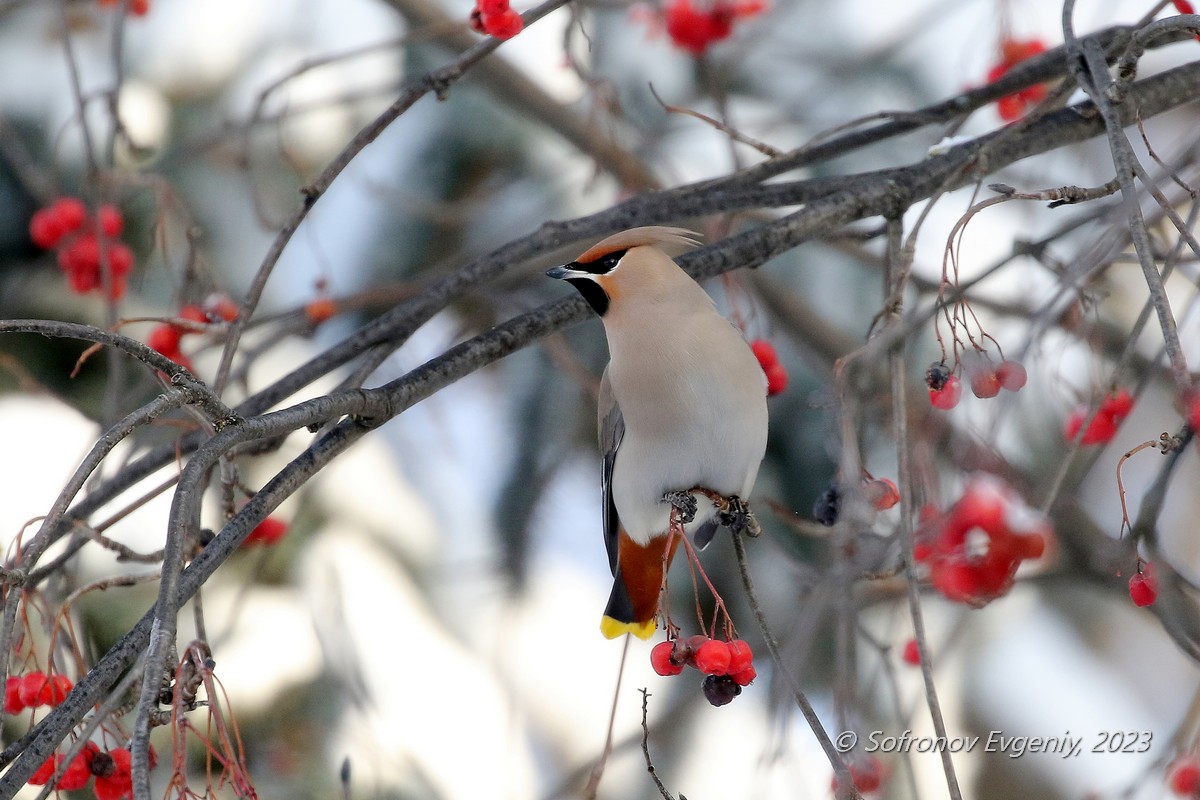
<point x="592" y="293"/>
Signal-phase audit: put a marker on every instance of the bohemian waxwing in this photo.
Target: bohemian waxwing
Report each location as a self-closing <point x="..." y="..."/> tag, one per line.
<point x="682" y="405"/>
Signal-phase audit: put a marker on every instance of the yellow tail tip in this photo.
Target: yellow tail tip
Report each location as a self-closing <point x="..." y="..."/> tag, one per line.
<point x="612" y="628"/>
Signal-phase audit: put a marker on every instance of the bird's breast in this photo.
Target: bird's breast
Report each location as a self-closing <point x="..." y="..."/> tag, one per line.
<point x="694" y="406"/>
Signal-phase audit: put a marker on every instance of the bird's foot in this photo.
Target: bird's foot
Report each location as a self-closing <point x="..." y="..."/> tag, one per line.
<point x="684" y="502"/>
<point x="735" y="514"/>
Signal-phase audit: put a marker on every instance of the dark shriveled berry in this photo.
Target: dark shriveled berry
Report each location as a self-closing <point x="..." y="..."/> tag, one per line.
<point x="825" y="510"/>
<point x="720" y="689"/>
<point x="103" y="765"/>
<point x="937" y="375"/>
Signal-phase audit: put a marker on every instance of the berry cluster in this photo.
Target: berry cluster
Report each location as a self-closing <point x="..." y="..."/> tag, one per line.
<point x="881" y="493"/>
<point x="728" y="666"/>
<point x="1013" y="106"/>
<point x="945" y="388"/>
<point x="987" y="381"/>
<point x="266" y="533"/>
<point x="112" y="770"/>
<point x="34" y="689"/>
<point x="974" y="549"/>
<point x="166" y="338"/>
<point x="139" y="8"/>
<point x="1103" y="427"/>
<point x="768" y="359"/>
<point x="696" y="29"/>
<point x="866" y="772"/>
<point x="496" y="18"/>
<point x="1183" y="776"/>
<point x="84" y="244"/>
<point x="1143" y="585"/>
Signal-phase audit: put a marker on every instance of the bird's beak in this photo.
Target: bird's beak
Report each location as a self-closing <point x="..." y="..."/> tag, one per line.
<point x="565" y="272"/>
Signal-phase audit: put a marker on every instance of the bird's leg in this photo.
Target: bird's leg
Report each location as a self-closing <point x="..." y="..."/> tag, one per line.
<point x="732" y="512"/>
<point x="683" y="502"/>
<point x="738" y="517"/>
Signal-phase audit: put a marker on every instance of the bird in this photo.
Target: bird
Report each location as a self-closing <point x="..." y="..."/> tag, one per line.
<point x="682" y="407"/>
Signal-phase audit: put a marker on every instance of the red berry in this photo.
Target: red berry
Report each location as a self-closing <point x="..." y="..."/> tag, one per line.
<point x="164" y="339"/>
<point x="740" y="656"/>
<point x="1192" y="410"/>
<point x="1101" y="430"/>
<point x="1010" y="107"/>
<point x="912" y="653"/>
<point x="982" y="505"/>
<point x="139" y="8"/>
<point x="947" y="397"/>
<point x="712" y="658"/>
<point x="866" y="773"/>
<point x="31" y="689"/>
<point x="695" y="30"/>
<point x="193" y="313"/>
<point x="1183" y="6"/>
<point x="777" y="379"/>
<point x="985" y="383"/>
<point x="82" y="253"/>
<point x="491" y="7"/>
<point x="1143" y="587"/>
<point x="44" y="228"/>
<point x="220" y="306"/>
<point x="1014" y="51"/>
<point x="70" y="212"/>
<point x="1184" y="776"/>
<point x="1117" y="404"/>
<point x="1012" y="375"/>
<point x="79" y="771"/>
<point x="744" y="677"/>
<point x="12" y="695"/>
<point x="54" y="690"/>
<point x="1032" y="95"/>
<point x="319" y="310"/>
<point x="505" y="25"/>
<point x="111" y="221"/>
<point x="266" y="533"/>
<point x="764" y="351"/>
<point x="1030" y="546"/>
<point x="660" y="659"/>
<point x="882" y="493"/>
<point x="117" y="782"/>
<point x="42" y="775"/>
<point x="120" y="259"/>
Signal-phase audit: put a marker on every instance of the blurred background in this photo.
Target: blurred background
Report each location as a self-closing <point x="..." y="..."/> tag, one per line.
<point x="430" y="618"/>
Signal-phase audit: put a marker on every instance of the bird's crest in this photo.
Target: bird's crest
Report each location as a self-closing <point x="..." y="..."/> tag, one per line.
<point x="672" y="241"/>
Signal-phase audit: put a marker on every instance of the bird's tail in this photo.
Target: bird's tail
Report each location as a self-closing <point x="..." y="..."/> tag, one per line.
<point x="633" y="604"/>
<point x="619" y="617"/>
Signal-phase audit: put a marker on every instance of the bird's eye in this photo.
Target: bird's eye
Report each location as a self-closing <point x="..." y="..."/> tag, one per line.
<point x="608" y="263"/>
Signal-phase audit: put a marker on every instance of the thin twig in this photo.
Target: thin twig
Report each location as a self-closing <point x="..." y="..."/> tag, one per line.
<point x="662" y="789"/>
<point x="593" y="784"/>
<point x="897" y="268"/>
<point x="806" y="708"/>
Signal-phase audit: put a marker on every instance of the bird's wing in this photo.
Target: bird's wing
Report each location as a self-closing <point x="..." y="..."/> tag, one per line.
<point x="612" y="430"/>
